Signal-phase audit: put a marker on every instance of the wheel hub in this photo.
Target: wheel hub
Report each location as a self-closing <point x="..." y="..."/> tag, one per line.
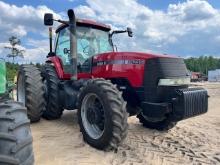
<point x="94" y="115"/>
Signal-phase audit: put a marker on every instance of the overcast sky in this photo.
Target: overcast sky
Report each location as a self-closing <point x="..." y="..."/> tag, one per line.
<point x="184" y="28"/>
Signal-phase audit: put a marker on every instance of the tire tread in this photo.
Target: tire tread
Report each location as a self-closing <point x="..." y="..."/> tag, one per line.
<point x="16" y="144"/>
<point x="53" y="109"/>
<point x="34" y="91"/>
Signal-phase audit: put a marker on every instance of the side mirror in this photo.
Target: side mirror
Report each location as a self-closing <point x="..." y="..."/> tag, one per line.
<point x="130" y="32"/>
<point x="48" y="19"/>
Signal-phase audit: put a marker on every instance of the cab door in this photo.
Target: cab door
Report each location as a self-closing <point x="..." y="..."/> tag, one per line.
<point x="62" y="50"/>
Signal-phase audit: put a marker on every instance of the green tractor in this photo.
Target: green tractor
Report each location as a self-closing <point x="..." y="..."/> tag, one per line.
<point x="15" y="133"/>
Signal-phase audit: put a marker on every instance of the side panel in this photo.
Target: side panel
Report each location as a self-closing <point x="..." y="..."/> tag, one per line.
<point x="128" y="65"/>
<point x="132" y="72"/>
<point x="2" y="77"/>
<point x="63" y="76"/>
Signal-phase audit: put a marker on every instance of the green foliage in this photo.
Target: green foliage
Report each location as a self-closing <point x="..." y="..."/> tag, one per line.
<point x="202" y="64"/>
<point x="11" y="71"/>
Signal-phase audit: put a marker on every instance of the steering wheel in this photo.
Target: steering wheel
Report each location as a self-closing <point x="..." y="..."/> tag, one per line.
<point x="87" y="50"/>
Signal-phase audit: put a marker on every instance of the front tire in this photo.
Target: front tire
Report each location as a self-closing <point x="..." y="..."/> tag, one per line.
<point x="102" y="114"/>
<point x="162" y="125"/>
<point x="15" y="135"/>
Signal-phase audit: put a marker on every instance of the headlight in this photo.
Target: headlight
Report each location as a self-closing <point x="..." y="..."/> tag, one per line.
<point x="174" y="81"/>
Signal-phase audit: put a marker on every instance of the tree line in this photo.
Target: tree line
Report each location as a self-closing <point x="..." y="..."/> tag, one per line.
<point x="12" y="70"/>
<point x="202" y="64"/>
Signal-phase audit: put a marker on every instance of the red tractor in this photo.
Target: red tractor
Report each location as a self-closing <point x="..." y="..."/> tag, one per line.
<point x="84" y="72"/>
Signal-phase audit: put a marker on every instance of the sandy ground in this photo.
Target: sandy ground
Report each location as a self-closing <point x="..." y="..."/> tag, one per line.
<point x="192" y="141"/>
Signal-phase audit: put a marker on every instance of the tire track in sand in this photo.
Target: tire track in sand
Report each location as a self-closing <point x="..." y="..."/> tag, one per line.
<point x="181" y="145"/>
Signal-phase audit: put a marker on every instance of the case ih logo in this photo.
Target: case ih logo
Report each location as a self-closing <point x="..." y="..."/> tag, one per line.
<point x="134" y="62"/>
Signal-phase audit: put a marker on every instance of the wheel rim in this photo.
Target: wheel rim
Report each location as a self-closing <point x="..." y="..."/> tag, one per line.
<point x="21" y="90"/>
<point x="92" y="114"/>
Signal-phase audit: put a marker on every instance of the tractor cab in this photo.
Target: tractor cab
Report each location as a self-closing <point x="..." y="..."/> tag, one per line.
<point x="92" y="39"/>
<point x="78" y="40"/>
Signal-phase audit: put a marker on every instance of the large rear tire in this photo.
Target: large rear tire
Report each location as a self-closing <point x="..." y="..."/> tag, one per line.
<point x="54" y="109"/>
<point x="15" y="135"/>
<point x="30" y="91"/>
<point x="162" y="125"/>
<point x="102" y="114"/>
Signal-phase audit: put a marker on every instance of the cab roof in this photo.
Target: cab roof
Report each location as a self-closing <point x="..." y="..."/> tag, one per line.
<point x="87" y="23"/>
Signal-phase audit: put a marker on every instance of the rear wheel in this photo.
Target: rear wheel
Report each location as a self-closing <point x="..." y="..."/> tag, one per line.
<point x="161" y="125"/>
<point x="30" y="91"/>
<point x="102" y="114"/>
<point x="54" y="109"/>
<point x="15" y="135"/>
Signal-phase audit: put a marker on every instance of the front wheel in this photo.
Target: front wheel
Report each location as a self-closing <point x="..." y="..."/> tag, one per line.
<point x="102" y="114"/>
<point x="160" y="125"/>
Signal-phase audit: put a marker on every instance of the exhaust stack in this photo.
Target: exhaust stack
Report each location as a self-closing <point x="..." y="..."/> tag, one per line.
<point x="50" y="40"/>
<point x="73" y="43"/>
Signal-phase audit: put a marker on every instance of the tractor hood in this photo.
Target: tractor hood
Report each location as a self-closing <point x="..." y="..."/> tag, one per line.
<point x="132" y="66"/>
<point x="128" y="56"/>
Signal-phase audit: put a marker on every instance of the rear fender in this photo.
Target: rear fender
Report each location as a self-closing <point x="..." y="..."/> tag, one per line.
<point x="56" y="62"/>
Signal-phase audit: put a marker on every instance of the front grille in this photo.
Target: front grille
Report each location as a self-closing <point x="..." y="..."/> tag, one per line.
<point x="190" y="102"/>
<point x="157" y="68"/>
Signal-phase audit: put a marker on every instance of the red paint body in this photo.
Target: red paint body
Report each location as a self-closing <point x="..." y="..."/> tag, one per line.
<point x="134" y="73"/>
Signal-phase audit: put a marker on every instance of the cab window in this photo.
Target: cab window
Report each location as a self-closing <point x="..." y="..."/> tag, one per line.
<point x="90" y="42"/>
<point x="62" y="48"/>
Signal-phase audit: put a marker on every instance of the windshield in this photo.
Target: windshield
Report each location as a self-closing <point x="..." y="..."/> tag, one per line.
<point x="90" y="42"/>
